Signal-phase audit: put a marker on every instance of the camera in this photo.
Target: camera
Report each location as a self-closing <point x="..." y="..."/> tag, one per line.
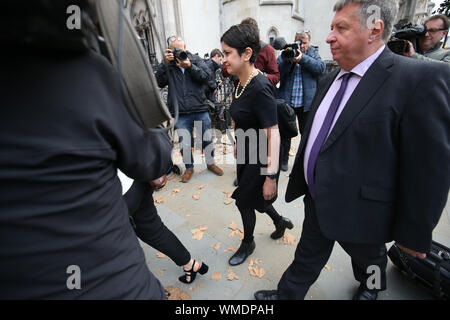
<point x="179" y="55"/>
<point x="289" y="51"/>
<point x="398" y="42"/>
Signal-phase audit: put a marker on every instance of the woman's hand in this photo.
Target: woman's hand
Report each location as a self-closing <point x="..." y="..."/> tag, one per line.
<point x="269" y="189"/>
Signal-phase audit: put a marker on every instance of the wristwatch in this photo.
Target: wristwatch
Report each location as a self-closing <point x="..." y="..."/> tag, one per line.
<point x="272" y="176"/>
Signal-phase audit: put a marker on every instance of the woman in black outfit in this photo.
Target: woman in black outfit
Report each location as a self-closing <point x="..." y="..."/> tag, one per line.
<point x="254" y="110"/>
<point x="150" y="229"/>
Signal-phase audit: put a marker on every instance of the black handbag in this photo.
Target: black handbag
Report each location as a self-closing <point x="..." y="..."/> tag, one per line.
<point x="287" y="121"/>
<point x="433" y="271"/>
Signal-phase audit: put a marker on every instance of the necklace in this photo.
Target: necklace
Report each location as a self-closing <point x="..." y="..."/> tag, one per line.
<point x="236" y="95"/>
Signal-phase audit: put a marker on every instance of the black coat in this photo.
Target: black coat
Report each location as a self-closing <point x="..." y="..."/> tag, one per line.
<point x="189" y="86"/>
<point x="64" y="132"/>
<point x="383" y="174"/>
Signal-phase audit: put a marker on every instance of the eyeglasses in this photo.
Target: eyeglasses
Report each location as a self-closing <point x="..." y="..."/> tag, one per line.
<point x="173" y="39"/>
<point x="435" y="30"/>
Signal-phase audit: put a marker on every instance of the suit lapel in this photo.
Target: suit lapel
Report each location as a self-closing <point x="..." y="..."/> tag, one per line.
<point x="366" y="89"/>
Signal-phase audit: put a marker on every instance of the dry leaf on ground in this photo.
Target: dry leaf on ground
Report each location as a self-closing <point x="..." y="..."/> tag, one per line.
<point x="174" y="293"/>
<point x="233" y="226"/>
<point x="216" y="246"/>
<point x="231" y="275"/>
<point x="196" y="197"/>
<point x="327" y="267"/>
<point x="230" y="249"/>
<point x="176" y="190"/>
<point x="216" y="276"/>
<point x="228" y="201"/>
<point x="200" y="187"/>
<point x="159" y="200"/>
<point x="197" y="234"/>
<point x="160" y="255"/>
<point x="289" y="239"/>
<point x="257" y="272"/>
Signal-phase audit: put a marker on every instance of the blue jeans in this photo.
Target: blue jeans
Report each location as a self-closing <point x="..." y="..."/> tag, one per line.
<point x="186" y="123"/>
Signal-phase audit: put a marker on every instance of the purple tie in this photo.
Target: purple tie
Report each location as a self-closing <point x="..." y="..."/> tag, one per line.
<point x="323" y="133"/>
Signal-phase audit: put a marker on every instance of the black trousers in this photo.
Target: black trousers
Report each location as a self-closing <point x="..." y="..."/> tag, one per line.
<point x="148" y="225"/>
<point x="313" y="252"/>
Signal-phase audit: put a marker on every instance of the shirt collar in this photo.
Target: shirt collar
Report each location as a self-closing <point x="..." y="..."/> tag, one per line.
<point x="362" y="68"/>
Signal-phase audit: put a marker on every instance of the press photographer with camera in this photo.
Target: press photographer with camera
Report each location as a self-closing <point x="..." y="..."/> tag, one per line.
<point x="214" y="63"/>
<point x="300" y="65"/>
<point x="189" y="75"/>
<point x="430" y="45"/>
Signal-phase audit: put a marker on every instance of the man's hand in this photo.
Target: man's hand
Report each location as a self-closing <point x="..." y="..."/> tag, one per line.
<point x="269" y="189"/>
<point x="158" y="184"/>
<point x="298" y="58"/>
<point x="411" y="50"/>
<point x="168" y="57"/>
<point x="186" y="64"/>
<point x="413" y="253"/>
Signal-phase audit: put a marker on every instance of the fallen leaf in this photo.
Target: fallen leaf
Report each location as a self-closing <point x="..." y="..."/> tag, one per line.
<point x="216" y="246"/>
<point x="233" y="226"/>
<point x="228" y="194"/>
<point x="159" y="200"/>
<point x="216" y="276"/>
<point x="160" y="255"/>
<point x="230" y="249"/>
<point x="174" y="293"/>
<point x="292" y="154"/>
<point x="257" y="272"/>
<point x="289" y="239"/>
<point x="327" y="267"/>
<point x="200" y="187"/>
<point x="228" y="201"/>
<point x="203" y="228"/>
<point x="176" y="190"/>
<point x="231" y="275"/>
<point x="196" y="197"/>
<point x="293" y="148"/>
<point x="197" y="234"/>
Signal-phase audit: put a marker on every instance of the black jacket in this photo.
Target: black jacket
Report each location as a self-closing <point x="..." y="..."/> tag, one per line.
<point x="189" y="86"/>
<point x="383" y="174"/>
<point x="64" y="131"/>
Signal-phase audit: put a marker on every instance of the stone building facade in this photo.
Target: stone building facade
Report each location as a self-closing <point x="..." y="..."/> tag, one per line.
<point x="202" y="22"/>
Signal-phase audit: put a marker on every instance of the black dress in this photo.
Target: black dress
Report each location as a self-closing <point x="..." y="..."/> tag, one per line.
<point x="256" y="109"/>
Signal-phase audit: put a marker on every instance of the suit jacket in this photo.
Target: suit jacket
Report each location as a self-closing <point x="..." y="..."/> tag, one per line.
<point x="383" y="173"/>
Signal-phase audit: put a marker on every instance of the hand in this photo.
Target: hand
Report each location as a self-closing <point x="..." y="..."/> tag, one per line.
<point x="235" y="151"/>
<point x="168" y="57"/>
<point x="186" y="64"/>
<point x="158" y="184"/>
<point x="411" y="50"/>
<point x="413" y="253"/>
<point x="298" y="58"/>
<point x="269" y="189"/>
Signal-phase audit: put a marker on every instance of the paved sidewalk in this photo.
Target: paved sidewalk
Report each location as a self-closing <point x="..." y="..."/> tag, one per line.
<point x="183" y="214"/>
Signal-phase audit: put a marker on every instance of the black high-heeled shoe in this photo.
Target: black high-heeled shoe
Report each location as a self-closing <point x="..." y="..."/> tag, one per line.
<point x="191" y="273"/>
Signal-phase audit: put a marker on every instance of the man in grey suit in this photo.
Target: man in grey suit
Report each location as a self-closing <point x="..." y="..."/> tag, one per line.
<point x="374" y="162"/>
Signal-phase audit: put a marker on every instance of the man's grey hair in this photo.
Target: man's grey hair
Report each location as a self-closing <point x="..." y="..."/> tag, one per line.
<point x="388" y="10"/>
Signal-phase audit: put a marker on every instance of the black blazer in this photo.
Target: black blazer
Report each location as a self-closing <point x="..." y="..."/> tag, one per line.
<point x="383" y="174"/>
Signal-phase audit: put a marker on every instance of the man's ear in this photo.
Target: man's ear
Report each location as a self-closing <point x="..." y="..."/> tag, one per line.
<point x="376" y="31"/>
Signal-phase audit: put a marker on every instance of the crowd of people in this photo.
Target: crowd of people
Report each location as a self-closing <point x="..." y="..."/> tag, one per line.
<point x="372" y="165"/>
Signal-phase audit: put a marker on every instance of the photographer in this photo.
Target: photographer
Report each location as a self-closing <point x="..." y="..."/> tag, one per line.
<point x="189" y="75"/>
<point x="214" y="64"/>
<point x="298" y="84"/>
<point x="430" y="45"/>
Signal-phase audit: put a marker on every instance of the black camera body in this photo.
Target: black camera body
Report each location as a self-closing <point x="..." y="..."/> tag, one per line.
<point x="289" y="51"/>
<point x="179" y="54"/>
<point x="403" y="33"/>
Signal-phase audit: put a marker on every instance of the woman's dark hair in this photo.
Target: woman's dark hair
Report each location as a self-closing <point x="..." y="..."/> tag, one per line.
<point x="243" y="36"/>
